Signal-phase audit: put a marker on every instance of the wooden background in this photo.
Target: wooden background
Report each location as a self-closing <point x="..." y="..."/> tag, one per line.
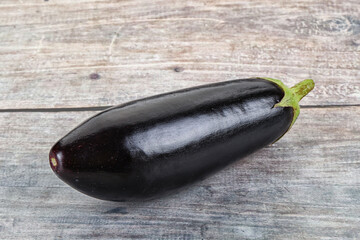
<point x="61" y="61"/>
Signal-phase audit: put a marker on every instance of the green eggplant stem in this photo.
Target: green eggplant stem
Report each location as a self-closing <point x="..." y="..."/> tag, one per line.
<point x="293" y="95"/>
<point x="301" y="89"/>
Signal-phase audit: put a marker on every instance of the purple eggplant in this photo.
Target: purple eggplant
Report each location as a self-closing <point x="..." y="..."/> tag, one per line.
<point x="156" y="145"/>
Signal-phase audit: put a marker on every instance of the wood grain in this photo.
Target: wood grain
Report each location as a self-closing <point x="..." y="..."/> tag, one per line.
<point x="65" y="55"/>
<point x="305" y="186"/>
<point x="100" y="52"/>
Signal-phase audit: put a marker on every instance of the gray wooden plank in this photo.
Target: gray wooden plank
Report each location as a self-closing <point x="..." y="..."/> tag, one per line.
<point x="305" y="186"/>
<point x="93" y="53"/>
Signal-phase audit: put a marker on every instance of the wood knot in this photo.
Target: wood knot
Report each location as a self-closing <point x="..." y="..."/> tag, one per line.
<point x="178" y="69"/>
<point x="94" y="76"/>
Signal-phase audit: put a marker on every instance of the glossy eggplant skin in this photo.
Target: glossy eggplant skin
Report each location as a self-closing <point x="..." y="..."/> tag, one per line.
<point x="145" y="148"/>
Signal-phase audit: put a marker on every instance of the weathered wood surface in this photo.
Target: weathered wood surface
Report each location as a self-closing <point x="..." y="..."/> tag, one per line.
<point x="91" y="53"/>
<point x="88" y="53"/>
<point x="305" y="186"/>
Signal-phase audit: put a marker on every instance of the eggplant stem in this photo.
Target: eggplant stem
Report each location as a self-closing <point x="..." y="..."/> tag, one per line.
<point x="293" y="95"/>
<point x="301" y="89"/>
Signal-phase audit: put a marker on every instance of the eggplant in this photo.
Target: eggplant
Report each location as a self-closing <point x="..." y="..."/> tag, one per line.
<point x="153" y="146"/>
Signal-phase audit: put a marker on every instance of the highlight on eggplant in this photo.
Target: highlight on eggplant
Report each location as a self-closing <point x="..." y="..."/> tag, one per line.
<point x="153" y="146"/>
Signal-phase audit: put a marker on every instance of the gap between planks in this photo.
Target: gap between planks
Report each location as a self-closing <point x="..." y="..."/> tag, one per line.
<point x="101" y="108"/>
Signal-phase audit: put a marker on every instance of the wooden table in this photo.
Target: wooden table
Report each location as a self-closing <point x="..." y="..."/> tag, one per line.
<point x="62" y="61"/>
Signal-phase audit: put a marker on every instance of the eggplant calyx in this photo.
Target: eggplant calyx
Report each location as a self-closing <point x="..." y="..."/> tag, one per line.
<point x="293" y="95"/>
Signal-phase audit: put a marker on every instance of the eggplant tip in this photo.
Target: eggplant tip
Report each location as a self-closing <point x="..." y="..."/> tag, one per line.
<point x="55" y="160"/>
<point x="52" y="160"/>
